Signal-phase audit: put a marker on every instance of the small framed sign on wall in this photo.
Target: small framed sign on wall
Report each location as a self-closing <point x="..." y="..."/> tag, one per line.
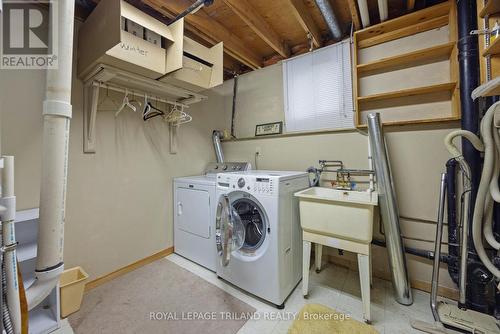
<point x="267" y="129"/>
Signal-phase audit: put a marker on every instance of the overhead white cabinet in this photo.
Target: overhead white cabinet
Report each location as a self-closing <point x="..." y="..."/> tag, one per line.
<point x="120" y="35"/>
<point x="202" y="67"/>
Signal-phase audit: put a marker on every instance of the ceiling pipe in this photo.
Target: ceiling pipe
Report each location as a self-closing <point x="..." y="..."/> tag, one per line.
<point x="192" y="9"/>
<point x="331" y="21"/>
<point x="383" y="9"/>
<point x="363" y="11"/>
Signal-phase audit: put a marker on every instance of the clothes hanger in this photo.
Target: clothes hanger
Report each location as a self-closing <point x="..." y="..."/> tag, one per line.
<point x="114" y="105"/>
<point x="134" y="100"/>
<point x="178" y="117"/>
<point x="150" y="111"/>
<point x="125" y="103"/>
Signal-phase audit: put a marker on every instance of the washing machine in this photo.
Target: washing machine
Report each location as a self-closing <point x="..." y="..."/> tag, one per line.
<point x="259" y="207"/>
<point x="194" y="213"/>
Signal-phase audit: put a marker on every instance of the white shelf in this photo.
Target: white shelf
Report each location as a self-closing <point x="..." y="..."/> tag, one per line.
<point x="26" y="251"/>
<point x="42" y="317"/>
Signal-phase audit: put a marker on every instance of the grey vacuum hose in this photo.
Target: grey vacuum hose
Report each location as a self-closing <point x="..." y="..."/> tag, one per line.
<point x="484" y="185"/>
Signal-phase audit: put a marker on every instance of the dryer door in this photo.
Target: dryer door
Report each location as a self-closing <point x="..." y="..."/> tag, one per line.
<point x="229" y="230"/>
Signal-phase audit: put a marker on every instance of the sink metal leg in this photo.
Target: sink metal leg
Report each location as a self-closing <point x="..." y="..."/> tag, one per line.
<point x="364" y="278"/>
<point x="318" y="252"/>
<point x="371" y="267"/>
<point x="306" y="261"/>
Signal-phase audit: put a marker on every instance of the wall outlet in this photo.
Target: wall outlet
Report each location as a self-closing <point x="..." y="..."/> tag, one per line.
<point x="258" y="151"/>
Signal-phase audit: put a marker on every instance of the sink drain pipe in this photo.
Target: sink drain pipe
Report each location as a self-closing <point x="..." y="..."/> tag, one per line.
<point x="57" y="112"/>
<point x="389" y="211"/>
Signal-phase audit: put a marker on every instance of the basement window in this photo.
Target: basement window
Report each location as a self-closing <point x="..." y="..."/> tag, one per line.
<point x="318" y="89"/>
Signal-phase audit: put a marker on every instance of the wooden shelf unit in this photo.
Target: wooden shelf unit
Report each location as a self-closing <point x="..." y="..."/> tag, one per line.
<point x="489" y="13"/>
<point x="404" y="29"/>
<point x="492" y="7"/>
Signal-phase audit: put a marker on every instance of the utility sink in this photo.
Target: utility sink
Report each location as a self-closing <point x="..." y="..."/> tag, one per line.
<point x="343" y="214"/>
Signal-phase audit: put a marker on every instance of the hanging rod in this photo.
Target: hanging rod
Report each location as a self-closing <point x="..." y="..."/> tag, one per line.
<point x="134" y="93"/>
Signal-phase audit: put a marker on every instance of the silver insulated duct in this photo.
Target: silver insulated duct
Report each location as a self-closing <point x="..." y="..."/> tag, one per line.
<point x="331" y="21"/>
<point x="216" y="137"/>
<point x="389" y="211"/>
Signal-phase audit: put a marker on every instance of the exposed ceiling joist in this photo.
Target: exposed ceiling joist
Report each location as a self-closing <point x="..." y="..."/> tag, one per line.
<point x="254" y="20"/>
<point x="306" y="21"/>
<point x="354" y="14"/>
<point x="213" y="29"/>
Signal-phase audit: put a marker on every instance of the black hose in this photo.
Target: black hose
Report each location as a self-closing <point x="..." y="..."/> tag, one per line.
<point x="233" y="111"/>
<point x="445" y="258"/>
<point x="453" y="240"/>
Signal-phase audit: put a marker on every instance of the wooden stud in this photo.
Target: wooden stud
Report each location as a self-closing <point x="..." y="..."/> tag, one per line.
<point x="255" y="21"/>
<point x="215" y="30"/>
<point x="306" y="21"/>
<point x="353" y="9"/>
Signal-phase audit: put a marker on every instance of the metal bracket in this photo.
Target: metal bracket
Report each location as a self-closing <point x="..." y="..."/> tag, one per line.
<point x="90" y="99"/>
<point x="9" y="248"/>
<point x="480" y="32"/>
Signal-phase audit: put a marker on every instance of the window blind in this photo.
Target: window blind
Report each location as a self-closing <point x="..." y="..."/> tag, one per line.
<point x="318" y="89"/>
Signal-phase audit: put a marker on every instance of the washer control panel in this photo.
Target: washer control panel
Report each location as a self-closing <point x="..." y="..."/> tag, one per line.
<point x="251" y="184"/>
<point x="264" y="185"/>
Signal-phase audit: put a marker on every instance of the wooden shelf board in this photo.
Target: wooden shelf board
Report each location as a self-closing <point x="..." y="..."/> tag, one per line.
<point x="493" y="49"/>
<point x="492" y="7"/>
<point x="409" y="92"/>
<point x="408" y="58"/>
<point x="416" y="121"/>
<point x="437" y="22"/>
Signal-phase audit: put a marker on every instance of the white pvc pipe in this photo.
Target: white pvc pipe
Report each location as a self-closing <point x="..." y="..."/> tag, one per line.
<point x="383" y="10"/>
<point x="9" y="238"/>
<point x="56" y="119"/>
<point x="363" y="11"/>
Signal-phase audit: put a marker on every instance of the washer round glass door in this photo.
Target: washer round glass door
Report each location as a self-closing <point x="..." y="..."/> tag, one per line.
<point x="254" y="223"/>
<point x="230" y="232"/>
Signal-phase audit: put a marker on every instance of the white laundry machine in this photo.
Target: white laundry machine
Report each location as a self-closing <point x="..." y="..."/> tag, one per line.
<point x="194" y="213"/>
<point x="269" y="262"/>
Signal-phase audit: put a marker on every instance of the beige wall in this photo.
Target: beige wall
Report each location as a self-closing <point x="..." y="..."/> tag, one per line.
<point x="119" y="200"/>
<point x="417" y="156"/>
<point x="119" y="205"/>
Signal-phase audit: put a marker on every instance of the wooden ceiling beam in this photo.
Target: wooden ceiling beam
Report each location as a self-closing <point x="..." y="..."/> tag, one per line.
<point x="255" y="21"/>
<point x="213" y="29"/>
<point x="301" y="12"/>
<point x="354" y="14"/>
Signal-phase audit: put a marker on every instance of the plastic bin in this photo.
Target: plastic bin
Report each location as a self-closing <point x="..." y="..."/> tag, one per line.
<point x="72" y="285"/>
